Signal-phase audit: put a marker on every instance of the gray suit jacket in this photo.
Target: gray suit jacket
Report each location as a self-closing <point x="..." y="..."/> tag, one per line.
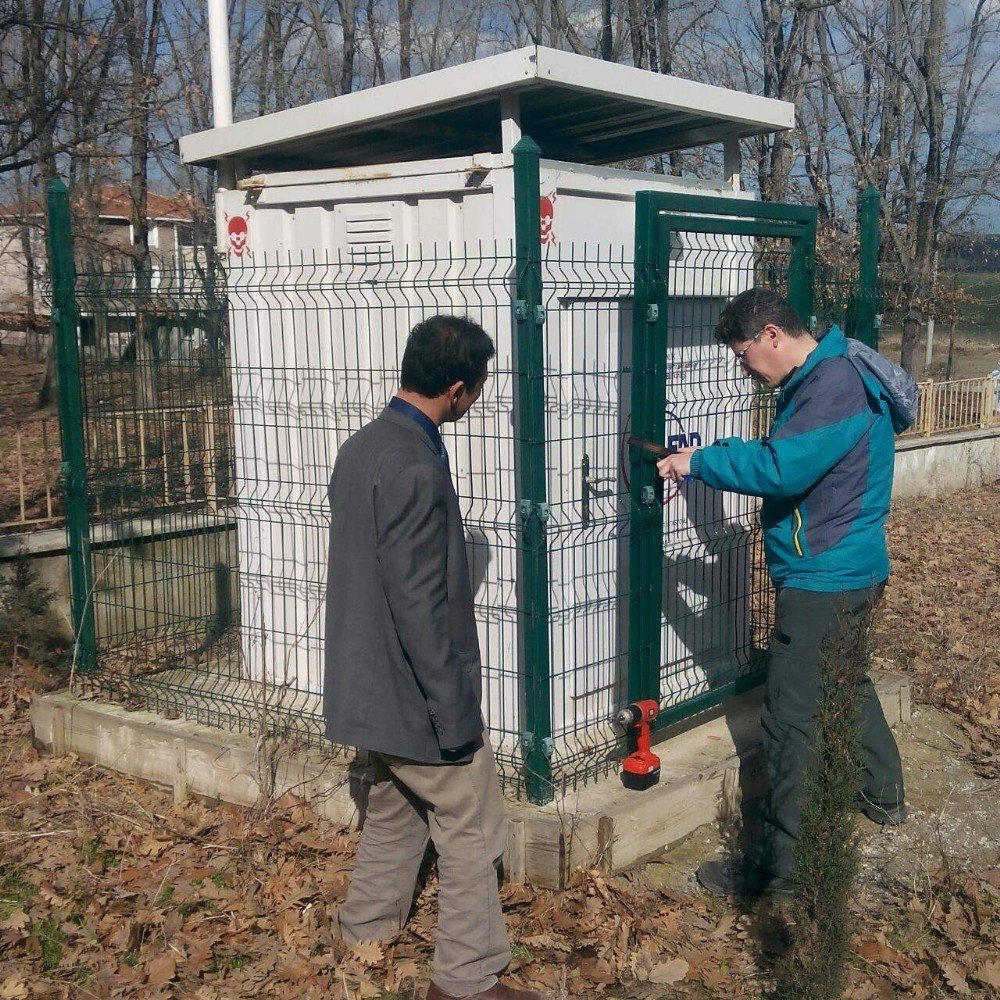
<point x="403" y="671"/>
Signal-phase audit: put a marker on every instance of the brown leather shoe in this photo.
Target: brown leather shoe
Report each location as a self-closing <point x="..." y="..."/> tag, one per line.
<point x="497" y="992"/>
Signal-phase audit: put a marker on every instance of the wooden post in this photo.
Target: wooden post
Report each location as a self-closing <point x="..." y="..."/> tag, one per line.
<point x="210" y="498"/>
<point x="164" y="449"/>
<point x="929" y="409"/>
<point x="20" y="475"/>
<point x="45" y="459"/>
<point x="187" y="456"/>
<point x="142" y="448"/>
<point x="120" y="441"/>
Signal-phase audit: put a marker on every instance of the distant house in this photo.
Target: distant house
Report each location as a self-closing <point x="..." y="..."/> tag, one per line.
<point x="106" y="286"/>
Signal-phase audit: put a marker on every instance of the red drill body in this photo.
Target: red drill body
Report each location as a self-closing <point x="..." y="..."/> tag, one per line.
<point x="641" y="768"/>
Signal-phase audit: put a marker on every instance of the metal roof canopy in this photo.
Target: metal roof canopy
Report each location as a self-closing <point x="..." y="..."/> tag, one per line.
<point x="580" y="110"/>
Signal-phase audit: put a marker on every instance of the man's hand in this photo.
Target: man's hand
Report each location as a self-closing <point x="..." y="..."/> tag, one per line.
<point x="675" y="467"/>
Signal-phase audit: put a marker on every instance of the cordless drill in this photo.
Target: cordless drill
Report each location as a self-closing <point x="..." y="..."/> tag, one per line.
<point x="641" y="768"/>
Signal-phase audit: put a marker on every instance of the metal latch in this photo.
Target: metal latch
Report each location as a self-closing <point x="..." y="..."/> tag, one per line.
<point x="587" y="484"/>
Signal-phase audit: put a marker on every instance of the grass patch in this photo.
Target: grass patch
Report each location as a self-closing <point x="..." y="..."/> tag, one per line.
<point x="194" y="905"/>
<point x="15" y="891"/>
<point x="231" y="961"/>
<point x="50" y="937"/>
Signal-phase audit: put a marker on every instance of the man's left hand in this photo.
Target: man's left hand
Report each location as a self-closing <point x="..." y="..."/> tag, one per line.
<point x="675" y="467"/>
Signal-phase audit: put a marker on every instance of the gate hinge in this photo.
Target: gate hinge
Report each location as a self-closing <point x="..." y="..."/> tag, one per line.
<point x="530" y="509"/>
<point x="547" y="745"/>
<point x="522" y="312"/>
<point x="652" y="312"/>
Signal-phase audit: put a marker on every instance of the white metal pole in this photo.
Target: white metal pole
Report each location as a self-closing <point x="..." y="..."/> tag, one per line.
<point x="222" y="92"/>
<point x="929" y="353"/>
<point x="218" y="42"/>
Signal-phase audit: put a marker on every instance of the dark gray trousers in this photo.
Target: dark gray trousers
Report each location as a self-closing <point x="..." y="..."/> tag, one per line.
<point x="806" y="624"/>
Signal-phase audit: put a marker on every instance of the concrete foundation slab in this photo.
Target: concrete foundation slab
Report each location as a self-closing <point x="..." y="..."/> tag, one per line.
<point x="706" y="765"/>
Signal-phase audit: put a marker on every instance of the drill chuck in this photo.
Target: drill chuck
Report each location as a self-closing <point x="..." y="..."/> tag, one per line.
<point x="629" y="716"/>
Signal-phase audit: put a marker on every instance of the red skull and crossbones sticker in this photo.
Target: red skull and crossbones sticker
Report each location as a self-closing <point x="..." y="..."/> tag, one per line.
<point x="547" y="211"/>
<point x="238" y="230"/>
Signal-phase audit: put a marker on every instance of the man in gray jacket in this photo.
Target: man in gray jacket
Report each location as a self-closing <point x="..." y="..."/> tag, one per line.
<point x="403" y="672"/>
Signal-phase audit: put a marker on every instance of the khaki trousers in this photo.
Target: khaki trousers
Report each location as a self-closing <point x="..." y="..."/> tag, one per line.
<point x="459" y="807"/>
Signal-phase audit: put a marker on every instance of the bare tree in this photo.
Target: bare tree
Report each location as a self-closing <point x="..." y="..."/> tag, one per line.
<point x="349" y="29"/>
<point x="907" y="95"/>
<point x="141" y="22"/>
<point x="404" y="10"/>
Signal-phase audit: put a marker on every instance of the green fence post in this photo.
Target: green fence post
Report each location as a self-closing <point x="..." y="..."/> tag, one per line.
<point x="868" y="297"/>
<point x="649" y="322"/>
<point x="802" y="272"/>
<point x="74" y="465"/>
<point x="529" y="320"/>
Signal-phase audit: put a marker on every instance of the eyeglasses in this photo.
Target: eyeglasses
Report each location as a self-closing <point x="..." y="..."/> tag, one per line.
<point x="739" y="355"/>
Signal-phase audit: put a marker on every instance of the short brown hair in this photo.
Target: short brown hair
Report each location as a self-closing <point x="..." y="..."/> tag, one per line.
<point x="750" y="311"/>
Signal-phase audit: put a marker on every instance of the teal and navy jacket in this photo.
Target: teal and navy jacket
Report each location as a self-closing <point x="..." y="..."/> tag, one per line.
<point x="824" y="471"/>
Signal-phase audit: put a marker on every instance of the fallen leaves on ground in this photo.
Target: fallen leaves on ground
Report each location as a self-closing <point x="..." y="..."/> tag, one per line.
<point x="109" y="889"/>
<point x="939" y="618"/>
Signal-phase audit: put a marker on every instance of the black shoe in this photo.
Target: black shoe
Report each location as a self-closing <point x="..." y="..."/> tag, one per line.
<point x="739" y="877"/>
<point x="883" y="815"/>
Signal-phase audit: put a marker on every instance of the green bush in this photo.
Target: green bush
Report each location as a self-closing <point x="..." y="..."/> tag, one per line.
<point x="813" y="963"/>
<point x="29" y="628"/>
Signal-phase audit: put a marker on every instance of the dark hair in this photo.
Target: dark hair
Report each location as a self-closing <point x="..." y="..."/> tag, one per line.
<point x="750" y="311"/>
<point x="444" y="350"/>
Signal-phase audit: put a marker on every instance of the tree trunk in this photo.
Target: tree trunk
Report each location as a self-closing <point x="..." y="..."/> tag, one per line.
<point x="404" y="9"/>
<point x="348" y="24"/>
<point x="637" y="33"/>
<point x="325" y="60"/>
<point x="375" y="37"/>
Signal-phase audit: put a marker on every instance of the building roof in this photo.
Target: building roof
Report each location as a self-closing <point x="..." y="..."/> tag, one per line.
<point x="577" y="109"/>
<point x="113" y="201"/>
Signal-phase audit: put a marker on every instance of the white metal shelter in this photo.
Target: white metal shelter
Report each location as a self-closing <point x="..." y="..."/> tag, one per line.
<point x="413" y="180"/>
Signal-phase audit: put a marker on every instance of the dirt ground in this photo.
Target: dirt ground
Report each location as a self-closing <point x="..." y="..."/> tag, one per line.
<point x="109" y="889"/>
<point x="976" y="353"/>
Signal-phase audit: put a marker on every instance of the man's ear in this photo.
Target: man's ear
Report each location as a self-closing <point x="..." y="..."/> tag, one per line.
<point x="771" y="332"/>
<point x="456" y="391"/>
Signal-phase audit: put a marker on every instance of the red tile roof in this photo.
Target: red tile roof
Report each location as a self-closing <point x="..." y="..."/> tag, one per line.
<point x="115" y="202"/>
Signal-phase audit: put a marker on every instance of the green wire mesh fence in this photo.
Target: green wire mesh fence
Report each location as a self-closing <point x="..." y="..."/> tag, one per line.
<point x="213" y="408"/>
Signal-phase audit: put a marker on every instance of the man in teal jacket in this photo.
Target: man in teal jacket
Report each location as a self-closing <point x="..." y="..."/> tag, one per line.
<point x="825" y="475"/>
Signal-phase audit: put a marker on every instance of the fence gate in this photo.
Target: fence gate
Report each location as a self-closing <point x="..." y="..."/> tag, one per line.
<point x="700" y="599"/>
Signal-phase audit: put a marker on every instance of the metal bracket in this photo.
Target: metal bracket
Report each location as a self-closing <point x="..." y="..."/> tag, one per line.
<point x="529" y="509"/>
<point x="648" y="496"/>
<point x="528" y="744"/>
<point x="878" y="321"/>
<point x="522" y="313"/>
<point x="652" y="312"/>
<point x="812" y="324"/>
